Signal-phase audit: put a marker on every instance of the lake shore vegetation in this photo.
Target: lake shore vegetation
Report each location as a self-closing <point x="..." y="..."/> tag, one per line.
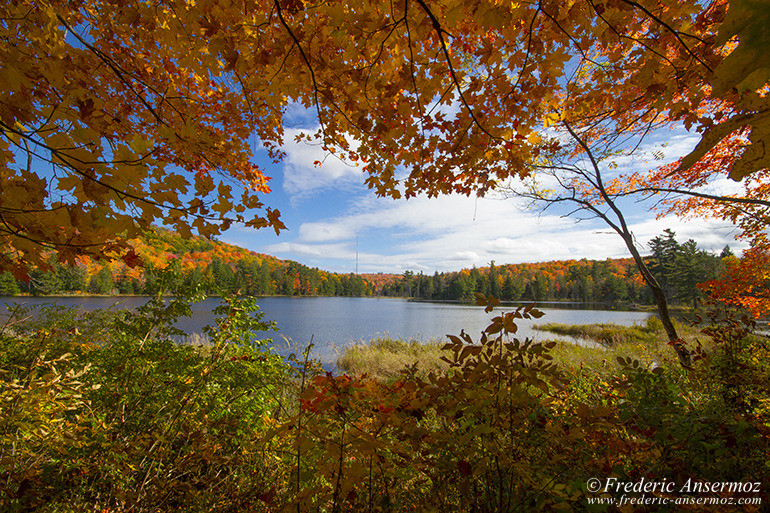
<point x="104" y="411"/>
<point x="594" y="346"/>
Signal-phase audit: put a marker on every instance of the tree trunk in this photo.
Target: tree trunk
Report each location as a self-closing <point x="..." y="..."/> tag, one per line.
<point x="660" y="301"/>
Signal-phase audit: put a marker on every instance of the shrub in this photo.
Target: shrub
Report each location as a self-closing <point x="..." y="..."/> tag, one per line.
<point x="104" y="410"/>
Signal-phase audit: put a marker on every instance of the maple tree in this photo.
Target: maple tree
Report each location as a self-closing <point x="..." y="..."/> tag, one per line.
<point x="115" y="117"/>
<point x="686" y="194"/>
<point x="138" y="108"/>
<point x="741" y="82"/>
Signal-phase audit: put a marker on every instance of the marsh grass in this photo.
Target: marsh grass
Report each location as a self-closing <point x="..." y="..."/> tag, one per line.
<point x="645" y="342"/>
<point x="608" y="335"/>
<point x="385" y="358"/>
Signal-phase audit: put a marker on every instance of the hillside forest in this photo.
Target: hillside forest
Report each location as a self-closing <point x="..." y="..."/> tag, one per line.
<point x="170" y="262"/>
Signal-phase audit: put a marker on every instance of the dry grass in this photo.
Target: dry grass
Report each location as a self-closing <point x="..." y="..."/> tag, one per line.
<point x="385" y="358"/>
<point x="647" y="343"/>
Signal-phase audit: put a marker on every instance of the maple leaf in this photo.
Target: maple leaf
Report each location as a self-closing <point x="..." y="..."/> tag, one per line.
<point x="131" y="259"/>
<point x="160" y="103"/>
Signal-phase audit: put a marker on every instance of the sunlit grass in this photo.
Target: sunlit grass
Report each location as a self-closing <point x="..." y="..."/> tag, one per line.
<point x="647" y="343"/>
<point x="385" y="358"/>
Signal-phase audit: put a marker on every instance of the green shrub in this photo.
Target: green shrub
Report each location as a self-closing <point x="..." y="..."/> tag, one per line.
<point x="104" y="410"/>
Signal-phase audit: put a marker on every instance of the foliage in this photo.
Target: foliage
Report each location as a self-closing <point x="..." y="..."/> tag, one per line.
<point x="737" y="367"/>
<point x="746" y="284"/>
<point x="113" y="120"/>
<point x="740" y="80"/>
<point x="144" y="112"/>
<point x="173" y="261"/>
<point x="507" y="430"/>
<point x="104" y="410"/>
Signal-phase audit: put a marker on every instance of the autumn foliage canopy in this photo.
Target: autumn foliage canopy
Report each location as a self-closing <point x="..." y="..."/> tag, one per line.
<point x="119" y="115"/>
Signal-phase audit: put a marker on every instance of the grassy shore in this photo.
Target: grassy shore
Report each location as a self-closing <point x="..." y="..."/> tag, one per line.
<point x="385" y="358"/>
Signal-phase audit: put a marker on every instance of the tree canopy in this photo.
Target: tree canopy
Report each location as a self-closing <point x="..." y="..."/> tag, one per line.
<point x="116" y="116"/>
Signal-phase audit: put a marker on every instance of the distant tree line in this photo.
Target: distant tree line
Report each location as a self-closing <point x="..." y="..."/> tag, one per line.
<point x="171" y="262"/>
<point x="678" y="267"/>
<point x="244" y="277"/>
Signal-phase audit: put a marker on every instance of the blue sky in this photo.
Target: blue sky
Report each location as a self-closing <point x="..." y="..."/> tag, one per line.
<point x="329" y="211"/>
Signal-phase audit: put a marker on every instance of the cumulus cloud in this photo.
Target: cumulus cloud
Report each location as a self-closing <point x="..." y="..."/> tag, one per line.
<point x="452" y="232"/>
<point x="302" y="177"/>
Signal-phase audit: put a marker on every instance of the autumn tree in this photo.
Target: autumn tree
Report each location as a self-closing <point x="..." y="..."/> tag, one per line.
<point x="739" y="83"/>
<point x="694" y="194"/>
<point x="116" y="116"/>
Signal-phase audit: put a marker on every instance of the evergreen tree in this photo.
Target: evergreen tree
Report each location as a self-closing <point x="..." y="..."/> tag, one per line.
<point x="664" y="249"/>
<point x="8" y="285"/>
<point x="513" y="287"/>
<point x="690" y="267"/>
<point x="494" y="285"/>
<point x="73" y="278"/>
<point x="726" y="252"/>
<point x="438" y="285"/>
<point x="101" y="282"/>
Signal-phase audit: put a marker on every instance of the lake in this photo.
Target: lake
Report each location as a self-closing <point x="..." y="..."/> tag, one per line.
<point x="334" y="323"/>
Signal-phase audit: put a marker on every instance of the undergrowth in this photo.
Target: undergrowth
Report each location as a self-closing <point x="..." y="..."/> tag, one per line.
<point x="105" y="412"/>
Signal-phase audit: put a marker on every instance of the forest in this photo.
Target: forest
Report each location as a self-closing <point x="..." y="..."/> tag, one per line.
<point x="171" y="263"/>
<point x="680" y="268"/>
<point x="119" y="117"/>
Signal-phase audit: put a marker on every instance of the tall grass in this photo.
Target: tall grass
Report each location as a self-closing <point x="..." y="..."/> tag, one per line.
<point x="386" y="358"/>
<point x="608" y="335"/>
<point x="646" y="342"/>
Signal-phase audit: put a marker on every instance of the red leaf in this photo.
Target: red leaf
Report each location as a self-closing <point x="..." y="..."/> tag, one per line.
<point x="132" y="260"/>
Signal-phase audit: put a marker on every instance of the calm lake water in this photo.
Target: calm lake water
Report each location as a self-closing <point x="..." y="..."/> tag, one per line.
<point x="334" y="323"/>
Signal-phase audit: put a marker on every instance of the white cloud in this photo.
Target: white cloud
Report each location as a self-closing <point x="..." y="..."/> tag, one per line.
<point x="453" y="232"/>
<point x="309" y="250"/>
<point x="325" y="232"/>
<point x="302" y="177"/>
<point x="297" y="114"/>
